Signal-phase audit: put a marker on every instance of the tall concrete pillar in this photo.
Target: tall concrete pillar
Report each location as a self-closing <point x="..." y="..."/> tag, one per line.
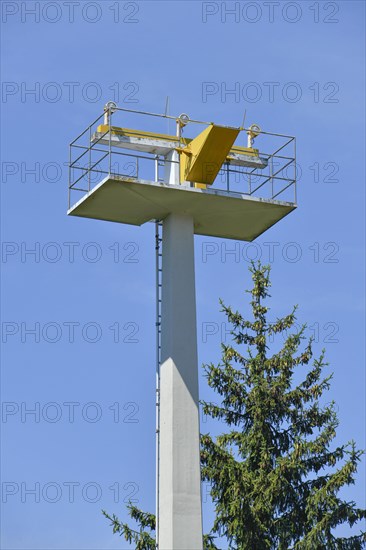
<point x="180" y="513"/>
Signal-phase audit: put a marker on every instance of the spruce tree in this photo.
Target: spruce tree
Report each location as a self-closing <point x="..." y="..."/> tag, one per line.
<point x="142" y="538"/>
<point x="275" y="477"/>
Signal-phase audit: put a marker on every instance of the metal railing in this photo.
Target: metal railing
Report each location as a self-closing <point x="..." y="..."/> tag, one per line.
<point x="93" y="156"/>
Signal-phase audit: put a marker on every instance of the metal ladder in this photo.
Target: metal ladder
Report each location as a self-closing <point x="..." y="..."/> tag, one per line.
<point x="159" y="273"/>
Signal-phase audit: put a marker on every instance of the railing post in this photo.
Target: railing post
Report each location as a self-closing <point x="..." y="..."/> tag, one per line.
<point x="295" y="178"/>
<point x="271" y="177"/>
<point x="89" y="158"/>
<point x="156" y="167"/>
<point x="110" y="142"/>
<point x="69" y="186"/>
<point x="227" y="177"/>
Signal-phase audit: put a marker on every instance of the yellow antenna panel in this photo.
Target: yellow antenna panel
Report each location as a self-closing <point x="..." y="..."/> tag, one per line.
<point x="203" y="157"/>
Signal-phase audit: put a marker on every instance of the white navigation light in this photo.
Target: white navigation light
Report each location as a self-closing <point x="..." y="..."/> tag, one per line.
<point x="183" y="119"/>
<point x="109" y="108"/>
<point x="253" y="131"/>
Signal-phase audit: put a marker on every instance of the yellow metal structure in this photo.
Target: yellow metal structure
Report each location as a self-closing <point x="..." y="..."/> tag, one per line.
<point x="203" y="157"/>
<point x="144" y="135"/>
<point x="140" y="134"/>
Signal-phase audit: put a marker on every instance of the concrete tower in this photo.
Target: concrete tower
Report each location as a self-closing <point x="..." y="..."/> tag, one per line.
<point x="187" y="201"/>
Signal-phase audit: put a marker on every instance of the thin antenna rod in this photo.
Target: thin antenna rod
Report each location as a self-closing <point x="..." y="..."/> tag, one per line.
<point x="243" y="123"/>
<point x="167" y="105"/>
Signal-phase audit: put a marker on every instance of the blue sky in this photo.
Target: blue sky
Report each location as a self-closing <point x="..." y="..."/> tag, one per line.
<point x="91" y="442"/>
